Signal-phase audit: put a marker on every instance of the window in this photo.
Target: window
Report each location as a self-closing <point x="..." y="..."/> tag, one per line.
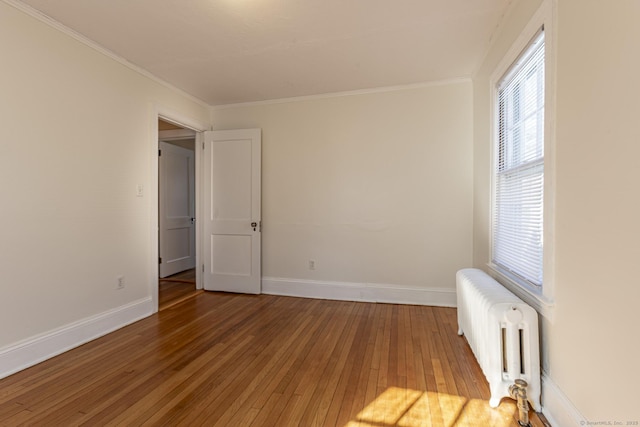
<point x="518" y="207"/>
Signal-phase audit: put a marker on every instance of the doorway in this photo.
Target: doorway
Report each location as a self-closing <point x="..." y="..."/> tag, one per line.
<point x="176" y="214"/>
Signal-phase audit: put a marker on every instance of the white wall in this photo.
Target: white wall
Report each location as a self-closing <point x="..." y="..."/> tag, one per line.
<point x="591" y="344"/>
<point x="598" y="208"/>
<point x="375" y="188"/>
<point x="76" y="138"/>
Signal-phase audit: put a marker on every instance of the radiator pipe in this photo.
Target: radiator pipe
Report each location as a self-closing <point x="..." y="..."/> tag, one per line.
<point x="518" y="392"/>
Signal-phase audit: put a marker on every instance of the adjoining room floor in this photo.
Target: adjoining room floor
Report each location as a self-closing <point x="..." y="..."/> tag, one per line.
<point x="177" y="288"/>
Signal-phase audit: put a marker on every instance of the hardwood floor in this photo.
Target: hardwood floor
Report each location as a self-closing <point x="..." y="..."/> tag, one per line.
<point x="177" y="288"/>
<point x="238" y="360"/>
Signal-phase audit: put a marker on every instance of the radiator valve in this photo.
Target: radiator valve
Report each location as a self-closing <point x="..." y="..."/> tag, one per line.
<point x="518" y="392"/>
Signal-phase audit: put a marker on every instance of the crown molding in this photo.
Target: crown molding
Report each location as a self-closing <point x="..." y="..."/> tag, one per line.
<point x="396" y="88"/>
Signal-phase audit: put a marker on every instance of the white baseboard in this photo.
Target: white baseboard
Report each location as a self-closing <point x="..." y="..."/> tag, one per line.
<point x="32" y="351"/>
<point x="557" y="407"/>
<point x="365" y="292"/>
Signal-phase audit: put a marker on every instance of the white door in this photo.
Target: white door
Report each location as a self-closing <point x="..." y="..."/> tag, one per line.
<point x="177" y="208"/>
<point x="231" y="188"/>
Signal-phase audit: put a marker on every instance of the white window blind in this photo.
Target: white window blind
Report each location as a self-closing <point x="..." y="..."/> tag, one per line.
<point x="519" y="172"/>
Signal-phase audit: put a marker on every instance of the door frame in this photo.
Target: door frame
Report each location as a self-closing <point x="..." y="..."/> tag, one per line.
<point x="171" y="116"/>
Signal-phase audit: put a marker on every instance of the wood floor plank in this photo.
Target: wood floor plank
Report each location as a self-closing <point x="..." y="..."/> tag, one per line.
<point x="335" y="347"/>
<point x="334" y="392"/>
<point x="220" y="359"/>
<point x="385" y="349"/>
<point x="238" y="386"/>
<point x="258" y="376"/>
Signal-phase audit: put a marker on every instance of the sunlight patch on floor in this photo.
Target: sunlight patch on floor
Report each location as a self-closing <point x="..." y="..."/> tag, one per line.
<point x="412" y="408"/>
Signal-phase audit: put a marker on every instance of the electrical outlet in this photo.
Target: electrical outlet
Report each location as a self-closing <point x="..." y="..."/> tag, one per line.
<point x="120" y="283"/>
<point x="312" y="264"/>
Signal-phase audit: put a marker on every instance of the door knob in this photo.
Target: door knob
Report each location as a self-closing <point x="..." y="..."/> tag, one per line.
<point x="254" y="225"/>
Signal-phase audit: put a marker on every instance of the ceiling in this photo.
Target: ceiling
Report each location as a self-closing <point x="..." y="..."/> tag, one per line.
<point x="234" y="51"/>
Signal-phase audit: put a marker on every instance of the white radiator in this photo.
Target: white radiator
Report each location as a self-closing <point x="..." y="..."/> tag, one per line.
<point x="503" y="333"/>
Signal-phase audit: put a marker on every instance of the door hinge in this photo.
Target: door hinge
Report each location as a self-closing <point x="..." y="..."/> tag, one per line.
<point x="159" y="153"/>
<point x="203" y="145"/>
<point x="203" y="268"/>
<point x="159" y="260"/>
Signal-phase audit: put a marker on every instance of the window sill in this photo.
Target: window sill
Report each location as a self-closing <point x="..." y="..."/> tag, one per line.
<point x="541" y="303"/>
